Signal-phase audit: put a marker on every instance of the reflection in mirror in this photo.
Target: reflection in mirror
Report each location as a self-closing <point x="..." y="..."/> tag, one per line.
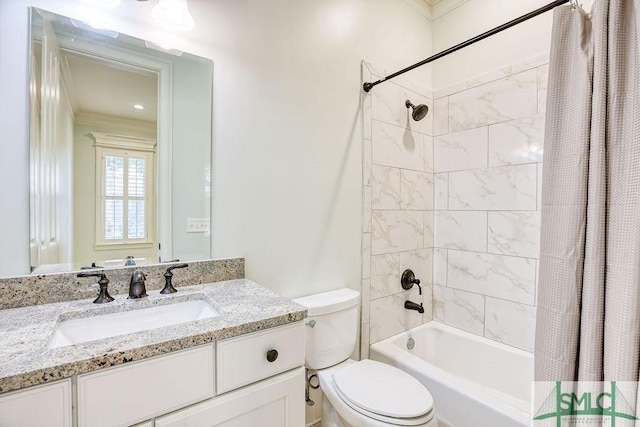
<point x="120" y="143"/>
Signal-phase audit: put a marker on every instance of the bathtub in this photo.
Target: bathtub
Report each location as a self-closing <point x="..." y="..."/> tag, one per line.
<point x="475" y="382"/>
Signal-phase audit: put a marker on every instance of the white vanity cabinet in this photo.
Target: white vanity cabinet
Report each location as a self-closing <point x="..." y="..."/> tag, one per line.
<point x="255" y="379"/>
<point x="46" y="405"/>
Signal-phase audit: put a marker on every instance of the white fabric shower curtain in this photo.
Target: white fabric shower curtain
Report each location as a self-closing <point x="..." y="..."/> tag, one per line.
<point x="588" y="319"/>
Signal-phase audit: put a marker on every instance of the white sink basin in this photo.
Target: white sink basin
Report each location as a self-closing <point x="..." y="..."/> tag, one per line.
<point x="76" y="331"/>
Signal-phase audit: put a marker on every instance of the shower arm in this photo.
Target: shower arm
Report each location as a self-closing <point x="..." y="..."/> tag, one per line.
<point x="369" y="85"/>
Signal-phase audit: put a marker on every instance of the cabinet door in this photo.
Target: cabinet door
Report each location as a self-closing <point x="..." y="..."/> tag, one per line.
<point x="138" y="391"/>
<point x="48" y="405"/>
<point x="276" y="402"/>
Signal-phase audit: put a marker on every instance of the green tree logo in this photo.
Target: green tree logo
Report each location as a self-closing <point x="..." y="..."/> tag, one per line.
<point x="559" y="404"/>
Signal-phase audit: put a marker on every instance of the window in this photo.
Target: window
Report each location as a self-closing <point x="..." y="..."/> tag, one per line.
<point x="124" y="196"/>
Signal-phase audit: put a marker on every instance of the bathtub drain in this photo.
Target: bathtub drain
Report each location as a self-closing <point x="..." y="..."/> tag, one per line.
<point x="411" y="343"/>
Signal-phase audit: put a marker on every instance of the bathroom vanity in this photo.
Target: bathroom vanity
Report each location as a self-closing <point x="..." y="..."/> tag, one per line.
<point x="241" y="364"/>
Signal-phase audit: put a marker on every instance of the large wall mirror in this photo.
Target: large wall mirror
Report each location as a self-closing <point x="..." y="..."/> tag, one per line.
<point x="120" y="149"/>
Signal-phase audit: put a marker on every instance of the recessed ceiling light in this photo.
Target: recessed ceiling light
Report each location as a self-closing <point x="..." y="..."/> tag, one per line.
<point x="138" y="106"/>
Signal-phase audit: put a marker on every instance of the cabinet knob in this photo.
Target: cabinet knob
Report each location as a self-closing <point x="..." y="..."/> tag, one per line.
<point x="272" y="355"/>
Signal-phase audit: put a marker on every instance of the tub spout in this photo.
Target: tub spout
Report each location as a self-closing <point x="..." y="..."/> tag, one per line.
<point x="410" y="305"/>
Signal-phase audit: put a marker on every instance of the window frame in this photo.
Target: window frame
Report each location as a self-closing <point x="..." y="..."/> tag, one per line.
<point x="126" y="147"/>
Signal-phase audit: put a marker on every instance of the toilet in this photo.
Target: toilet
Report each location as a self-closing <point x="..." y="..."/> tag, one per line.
<point x="357" y="394"/>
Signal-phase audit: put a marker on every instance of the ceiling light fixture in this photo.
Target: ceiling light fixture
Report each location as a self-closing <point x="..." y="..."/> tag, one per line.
<point x="138" y="106"/>
<point x="173" y="14"/>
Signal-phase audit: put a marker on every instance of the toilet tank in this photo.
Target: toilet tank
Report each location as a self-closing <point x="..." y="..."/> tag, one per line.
<point x="334" y="316"/>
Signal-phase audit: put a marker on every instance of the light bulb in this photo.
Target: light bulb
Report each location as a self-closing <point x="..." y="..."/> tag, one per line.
<point x="173" y="14"/>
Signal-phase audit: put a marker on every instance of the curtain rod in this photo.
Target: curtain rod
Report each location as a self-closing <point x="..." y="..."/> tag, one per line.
<point x="368" y="86"/>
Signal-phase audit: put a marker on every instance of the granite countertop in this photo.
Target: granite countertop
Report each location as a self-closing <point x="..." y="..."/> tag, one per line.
<point x="25" y="333"/>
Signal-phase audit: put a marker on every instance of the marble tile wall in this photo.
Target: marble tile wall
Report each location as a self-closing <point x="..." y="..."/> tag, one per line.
<point x="488" y="141"/>
<point x="398" y="185"/>
<point x="456" y="198"/>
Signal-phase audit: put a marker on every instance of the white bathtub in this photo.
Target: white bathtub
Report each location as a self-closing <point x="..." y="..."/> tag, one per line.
<point x="475" y="382"/>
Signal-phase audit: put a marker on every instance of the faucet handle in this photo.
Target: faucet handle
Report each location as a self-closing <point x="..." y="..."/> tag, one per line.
<point x="170" y="269"/>
<point x="94" y="274"/>
<point x="103" y="296"/>
<point x="168" y="286"/>
<point x="408" y="279"/>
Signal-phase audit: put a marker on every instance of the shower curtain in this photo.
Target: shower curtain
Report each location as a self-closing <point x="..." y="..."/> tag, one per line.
<point x="588" y="318"/>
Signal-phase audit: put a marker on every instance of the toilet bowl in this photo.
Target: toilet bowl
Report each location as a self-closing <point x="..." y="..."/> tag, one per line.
<point x="357" y="394"/>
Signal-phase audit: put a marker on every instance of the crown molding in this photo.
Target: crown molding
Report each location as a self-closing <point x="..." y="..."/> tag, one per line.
<point x="421" y="6"/>
<point x="120" y="123"/>
<point x="124" y="142"/>
<point x="444" y="6"/>
<point x="433" y="9"/>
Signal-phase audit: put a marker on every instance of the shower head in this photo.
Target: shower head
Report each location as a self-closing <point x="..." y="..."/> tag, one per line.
<point x="419" y="111"/>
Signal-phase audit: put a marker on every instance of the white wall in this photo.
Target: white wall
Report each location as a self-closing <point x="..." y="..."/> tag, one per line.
<point x="14" y="111"/>
<point x="474" y="17"/>
<point x="287" y="129"/>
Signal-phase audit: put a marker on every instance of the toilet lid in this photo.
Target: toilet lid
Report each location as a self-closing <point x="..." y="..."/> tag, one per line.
<point x="382" y="389"/>
<point x="415" y="421"/>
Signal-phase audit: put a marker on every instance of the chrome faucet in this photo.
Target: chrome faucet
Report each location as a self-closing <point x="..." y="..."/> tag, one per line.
<point x="137" y="289"/>
<point x="410" y="305"/>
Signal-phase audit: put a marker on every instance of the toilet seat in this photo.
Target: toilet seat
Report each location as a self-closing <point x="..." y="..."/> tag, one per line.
<point x="397" y="397"/>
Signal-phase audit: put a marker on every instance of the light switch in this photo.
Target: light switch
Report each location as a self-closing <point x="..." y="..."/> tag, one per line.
<point x="197" y="225"/>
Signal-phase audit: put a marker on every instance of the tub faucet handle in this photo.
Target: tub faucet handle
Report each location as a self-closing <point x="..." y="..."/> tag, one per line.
<point x="408" y="279"/>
